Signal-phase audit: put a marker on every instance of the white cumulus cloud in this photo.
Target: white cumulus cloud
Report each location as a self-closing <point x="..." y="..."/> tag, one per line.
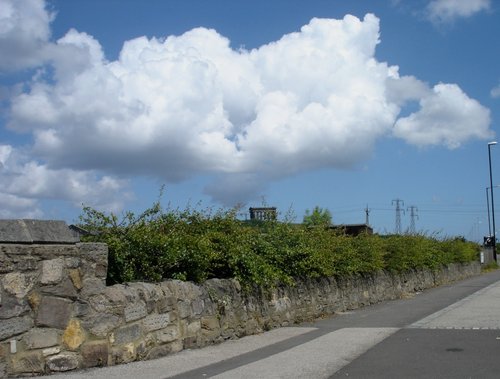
<point x="180" y="106"/>
<point x="440" y="11"/>
<point x="446" y="116"/>
<point x="188" y="104"/>
<point x="23" y="182"/>
<point x="24" y="33"/>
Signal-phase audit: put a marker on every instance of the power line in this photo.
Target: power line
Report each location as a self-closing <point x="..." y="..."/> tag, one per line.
<point x="459" y="211"/>
<point x="353" y="210"/>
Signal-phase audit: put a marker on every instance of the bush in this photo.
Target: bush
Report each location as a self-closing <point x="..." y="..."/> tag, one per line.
<point x="196" y="245"/>
<point x="417" y="251"/>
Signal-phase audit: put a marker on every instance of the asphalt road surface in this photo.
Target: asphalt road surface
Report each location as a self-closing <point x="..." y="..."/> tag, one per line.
<point x="451" y="331"/>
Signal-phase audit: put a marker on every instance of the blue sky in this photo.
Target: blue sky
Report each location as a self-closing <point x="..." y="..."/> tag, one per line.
<point x="331" y="103"/>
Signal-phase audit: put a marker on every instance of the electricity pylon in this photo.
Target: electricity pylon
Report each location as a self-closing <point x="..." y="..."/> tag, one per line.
<point x="398" y="203"/>
<point x="413" y="216"/>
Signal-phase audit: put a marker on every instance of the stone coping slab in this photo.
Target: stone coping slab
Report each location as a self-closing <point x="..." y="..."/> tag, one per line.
<point x="37" y="231"/>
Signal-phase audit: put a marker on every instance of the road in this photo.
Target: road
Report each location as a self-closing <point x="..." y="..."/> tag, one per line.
<point x="451" y="331"/>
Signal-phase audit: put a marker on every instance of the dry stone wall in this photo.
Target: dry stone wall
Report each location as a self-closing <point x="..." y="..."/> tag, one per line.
<point x="56" y="313"/>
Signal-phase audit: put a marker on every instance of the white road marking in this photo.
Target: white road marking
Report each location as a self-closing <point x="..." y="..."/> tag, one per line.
<point x="479" y="311"/>
<point x="319" y="358"/>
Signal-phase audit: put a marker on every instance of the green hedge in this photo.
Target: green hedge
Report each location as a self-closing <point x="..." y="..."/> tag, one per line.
<point x="197" y="245"/>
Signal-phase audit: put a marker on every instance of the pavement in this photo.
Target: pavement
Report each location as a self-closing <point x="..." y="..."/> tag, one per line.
<point x="451" y="331"/>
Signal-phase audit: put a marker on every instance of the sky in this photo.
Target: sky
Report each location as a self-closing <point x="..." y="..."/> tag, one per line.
<point x="345" y="105"/>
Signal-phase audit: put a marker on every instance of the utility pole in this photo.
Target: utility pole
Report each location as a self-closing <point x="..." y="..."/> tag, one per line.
<point x="488" y="206"/>
<point x="367" y="213"/>
<point x="398" y="203"/>
<point x="492" y="203"/>
<point x="413" y="215"/>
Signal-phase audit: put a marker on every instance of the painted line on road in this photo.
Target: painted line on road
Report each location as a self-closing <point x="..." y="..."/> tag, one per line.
<point x="478" y="311"/>
<point x="319" y="358"/>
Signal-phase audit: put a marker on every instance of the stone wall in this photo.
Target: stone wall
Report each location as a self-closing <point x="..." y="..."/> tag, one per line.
<point x="44" y="301"/>
<point x="56" y="314"/>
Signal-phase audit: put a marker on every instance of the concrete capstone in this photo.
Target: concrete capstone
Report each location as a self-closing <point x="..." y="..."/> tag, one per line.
<point x="36" y="231"/>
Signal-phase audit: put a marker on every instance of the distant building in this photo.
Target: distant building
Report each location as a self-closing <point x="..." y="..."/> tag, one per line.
<point x="79" y="232"/>
<point x="263" y="214"/>
<point x="353" y="229"/>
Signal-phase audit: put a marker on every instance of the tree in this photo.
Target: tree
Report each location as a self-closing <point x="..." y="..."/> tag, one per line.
<point x="318" y="216"/>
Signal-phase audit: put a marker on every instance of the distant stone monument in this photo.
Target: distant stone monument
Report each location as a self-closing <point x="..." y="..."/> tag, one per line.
<point x="263" y="214"/>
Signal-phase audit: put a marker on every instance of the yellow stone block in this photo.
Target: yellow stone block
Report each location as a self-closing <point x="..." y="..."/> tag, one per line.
<point x="76" y="278"/>
<point x="74" y="335"/>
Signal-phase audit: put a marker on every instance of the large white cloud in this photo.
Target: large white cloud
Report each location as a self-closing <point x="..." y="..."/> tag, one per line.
<point x="449" y="10"/>
<point x="446" y="116"/>
<point x="176" y="107"/>
<point x="24" y="33"/>
<point x="191" y="104"/>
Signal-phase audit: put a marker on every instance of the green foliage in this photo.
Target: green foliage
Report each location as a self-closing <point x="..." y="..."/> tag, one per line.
<point x="196" y="245"/>
<point x="318" y="217"/>
<point x="406" y="252"/>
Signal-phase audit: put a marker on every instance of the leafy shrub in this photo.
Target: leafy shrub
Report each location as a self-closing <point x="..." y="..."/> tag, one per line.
<point x="196" y="245"/>
<point x="406" y="252"/>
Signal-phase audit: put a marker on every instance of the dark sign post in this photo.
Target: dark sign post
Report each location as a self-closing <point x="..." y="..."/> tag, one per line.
<point x="492" y="202"/>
